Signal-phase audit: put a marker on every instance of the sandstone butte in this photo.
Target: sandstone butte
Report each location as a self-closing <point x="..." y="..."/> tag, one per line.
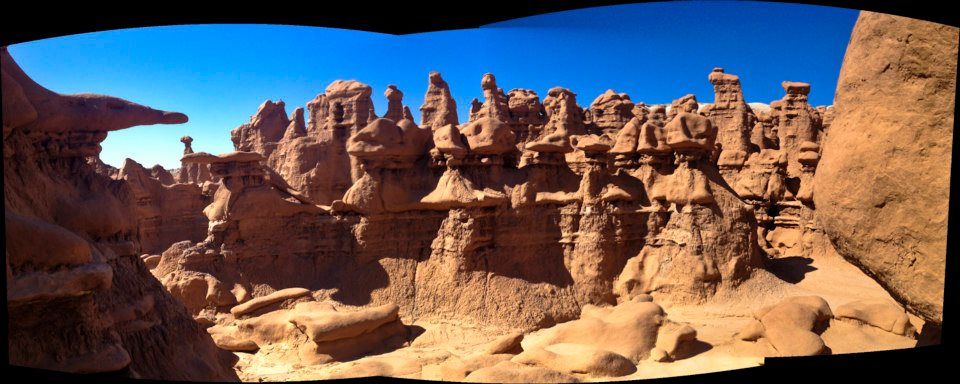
<point x="539" y="241"/>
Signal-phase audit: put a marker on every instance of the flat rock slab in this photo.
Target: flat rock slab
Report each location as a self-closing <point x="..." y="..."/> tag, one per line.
<point x="260" y="302"/>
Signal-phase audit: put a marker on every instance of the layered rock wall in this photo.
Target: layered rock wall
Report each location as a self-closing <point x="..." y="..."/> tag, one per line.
<point x="79" y="298"/>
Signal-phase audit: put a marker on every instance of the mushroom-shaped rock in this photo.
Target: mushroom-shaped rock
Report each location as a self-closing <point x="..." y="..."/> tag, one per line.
<point x="198" y="158"/>
<point x="380" y="138"/>
<point x="796" y="87"/>
<point x="552" y="143"/>
<point x="448" y="139"/>
<point x="488" y="136"/>
<point x="690" y="132"/>
<point x="386" y="139"/>
<point x="238" y="156"/>
<point x="187" y="144"/>
<point x="592" y="144"/>
<point x="394" y="103"/>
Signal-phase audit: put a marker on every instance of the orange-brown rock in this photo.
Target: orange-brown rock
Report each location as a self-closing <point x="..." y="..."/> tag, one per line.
<point x="792" y="326"/>
<point x="192" y="173"/>
<point x="732" y="118"/>
<point x="439" y="108"/>
<point x="440" y="214"/>
<point x="166" y="214"/>
<point x="79" y="298"/>
<point x="609" y="112"/>
<point x="883" y="180"/>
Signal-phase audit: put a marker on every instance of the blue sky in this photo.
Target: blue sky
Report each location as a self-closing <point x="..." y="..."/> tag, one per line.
<point x="219" y="74"/>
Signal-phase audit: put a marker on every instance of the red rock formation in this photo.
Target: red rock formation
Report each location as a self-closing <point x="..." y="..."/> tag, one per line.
<point x="162" y="174"/>
<point x="495" y="105"/>
<point x="439" y="108"/>
<point x="609" y="112"/>
<point x="192" y="173"/>
<point x="434" y="220"/>
<point x="316" y="161"/>
<point x="166" y="214"/>
<point x="732" y="117"/>
<point x="79" y="298"/>
<point x="797" y="122"/>
<point x="527" y="116"/>
<point x="263" y="131"/>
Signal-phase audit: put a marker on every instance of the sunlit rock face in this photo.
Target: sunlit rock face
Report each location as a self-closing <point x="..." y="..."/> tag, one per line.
<point x="79" y="298"/>
<point x="541" y="204"/>
<point x="883" y="180"/>
<point x="336" y="242"/>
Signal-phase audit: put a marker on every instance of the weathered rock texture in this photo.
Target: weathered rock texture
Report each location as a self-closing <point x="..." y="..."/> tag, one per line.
<point x="883" y="185"/>
<point x="78" y="296"/>
<point x="324" y="228"/>
<point x="166" y="213"/>
<point x="445" y="220"/>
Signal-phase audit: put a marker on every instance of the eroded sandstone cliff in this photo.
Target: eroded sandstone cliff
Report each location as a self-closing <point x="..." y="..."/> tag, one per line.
<point x="79" y="297"/>
<point x="518" y="217"/>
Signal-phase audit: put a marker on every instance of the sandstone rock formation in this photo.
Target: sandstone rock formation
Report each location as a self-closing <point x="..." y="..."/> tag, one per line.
<point x="461" y="191"/>
<point x="438" y="109"/>
<point x="79" y="298"/>
<point x="166" y="213"/>
<point x="629" y="330"/>
<point x="309" y="331"/>
<point x="882" y="185"/>
<point x="191" y="173"/>
<point x="792" y="326"/>
<point x="537" y="241"/>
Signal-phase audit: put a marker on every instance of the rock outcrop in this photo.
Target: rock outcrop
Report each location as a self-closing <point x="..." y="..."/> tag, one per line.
<point x="543" y="235"/>
<point x="166" y="213"/>
<point x="435" y="216"/>
<point x="79" y="298"/>
<point x="883" y="182"/>
<point x="309" y="331"/>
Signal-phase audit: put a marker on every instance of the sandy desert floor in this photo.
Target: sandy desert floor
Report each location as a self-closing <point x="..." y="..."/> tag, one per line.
<point x="440" y="344"/>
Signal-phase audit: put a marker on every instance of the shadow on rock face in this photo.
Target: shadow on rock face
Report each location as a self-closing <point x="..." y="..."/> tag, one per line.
<point x="691" y="348"/>
<point x="929" y="335"/>
<point x="414" y="331"/>
<point x="790" y="269"/>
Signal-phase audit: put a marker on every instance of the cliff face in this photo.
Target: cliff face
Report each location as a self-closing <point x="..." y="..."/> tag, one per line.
<point x="166" y="213"/>
<point x="884" y="182"/>
<point x="79" y="298"/>
<point x="518" y="217"/>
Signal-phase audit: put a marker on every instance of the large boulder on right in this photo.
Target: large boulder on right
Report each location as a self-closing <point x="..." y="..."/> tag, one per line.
<point x="883" y="184"/>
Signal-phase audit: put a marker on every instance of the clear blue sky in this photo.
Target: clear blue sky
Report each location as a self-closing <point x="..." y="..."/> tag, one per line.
<point x="219" y="74"/>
